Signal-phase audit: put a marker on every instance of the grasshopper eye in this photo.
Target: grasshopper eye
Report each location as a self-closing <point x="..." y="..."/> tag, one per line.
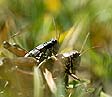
<point x="54" y="41"/>
<point x="6" y="44"/>
<point x="76" y="55"/>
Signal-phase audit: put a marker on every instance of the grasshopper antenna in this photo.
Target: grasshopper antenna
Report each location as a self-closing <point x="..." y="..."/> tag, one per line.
<point x="81" y="53"/>
<point x="57" y="34"/>
<point x="89" y="49"/>
<point x="84" y="42"/>
<point x="21" y="30"/>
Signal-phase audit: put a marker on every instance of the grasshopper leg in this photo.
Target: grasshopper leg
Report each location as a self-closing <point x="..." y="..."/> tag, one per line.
<point x="15" y="49"/>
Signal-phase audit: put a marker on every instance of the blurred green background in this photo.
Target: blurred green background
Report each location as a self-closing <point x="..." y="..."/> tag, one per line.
<point x="30" y="23"/>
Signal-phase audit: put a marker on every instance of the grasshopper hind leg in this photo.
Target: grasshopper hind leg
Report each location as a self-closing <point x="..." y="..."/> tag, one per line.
<point x="15" y="49"/>
<point x="66" y="79"/>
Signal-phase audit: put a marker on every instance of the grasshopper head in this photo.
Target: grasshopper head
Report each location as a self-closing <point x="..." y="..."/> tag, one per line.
<point x="6" y="44"/>
<point x="75" y="60"/>
<point x="55" y="46"/>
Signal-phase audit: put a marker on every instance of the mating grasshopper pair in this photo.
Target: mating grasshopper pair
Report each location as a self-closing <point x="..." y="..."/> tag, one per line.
<point x="47" y="53"/>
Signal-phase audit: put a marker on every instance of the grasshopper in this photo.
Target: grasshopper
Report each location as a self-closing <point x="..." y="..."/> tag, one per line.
<point x="41" y="52"/>
<point x="62" y="65"/>
<point x="46" y="53"/>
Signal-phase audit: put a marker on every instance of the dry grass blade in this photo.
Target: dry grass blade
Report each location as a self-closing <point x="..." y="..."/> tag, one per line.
<point x="71" y="37"/>
<point x="38" y="83"/>
<point x="50" y="81"/>
<point x="3" y="32"/>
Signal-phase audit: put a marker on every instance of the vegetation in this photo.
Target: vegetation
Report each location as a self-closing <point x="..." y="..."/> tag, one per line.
<point x="32" y="22"/>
